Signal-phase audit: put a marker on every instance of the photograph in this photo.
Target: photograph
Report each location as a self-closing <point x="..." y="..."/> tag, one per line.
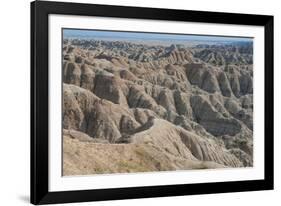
<point x="136" y="101"/>
<point x="132" y="102"/>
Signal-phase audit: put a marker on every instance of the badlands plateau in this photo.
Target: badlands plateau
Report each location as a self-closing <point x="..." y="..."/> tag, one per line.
<point x="139" y="107"/>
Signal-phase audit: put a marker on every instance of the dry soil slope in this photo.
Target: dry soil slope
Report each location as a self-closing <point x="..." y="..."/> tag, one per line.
<point x="172" y="105"/>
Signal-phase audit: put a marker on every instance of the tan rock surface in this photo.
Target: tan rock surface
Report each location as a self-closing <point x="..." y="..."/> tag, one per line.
<point x="133" y="107"/>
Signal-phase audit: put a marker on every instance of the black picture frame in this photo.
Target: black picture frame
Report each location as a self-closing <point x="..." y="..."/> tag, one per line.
<point x="39" y="102"/>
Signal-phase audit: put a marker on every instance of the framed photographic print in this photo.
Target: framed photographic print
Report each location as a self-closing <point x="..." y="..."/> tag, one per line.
<point x="131" y="102"/>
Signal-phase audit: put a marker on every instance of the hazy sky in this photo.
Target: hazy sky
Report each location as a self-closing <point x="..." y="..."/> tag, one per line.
<point x="148" y="36"/>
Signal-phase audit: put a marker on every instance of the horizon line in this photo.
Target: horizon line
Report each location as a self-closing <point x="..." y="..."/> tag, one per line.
<point x="139" y="35"/>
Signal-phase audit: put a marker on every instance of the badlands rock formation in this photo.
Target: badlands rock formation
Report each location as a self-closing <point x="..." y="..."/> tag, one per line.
<point x="132" y="107"/>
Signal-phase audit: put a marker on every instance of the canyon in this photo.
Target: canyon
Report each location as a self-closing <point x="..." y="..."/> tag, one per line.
<point x="139" y="107"/>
